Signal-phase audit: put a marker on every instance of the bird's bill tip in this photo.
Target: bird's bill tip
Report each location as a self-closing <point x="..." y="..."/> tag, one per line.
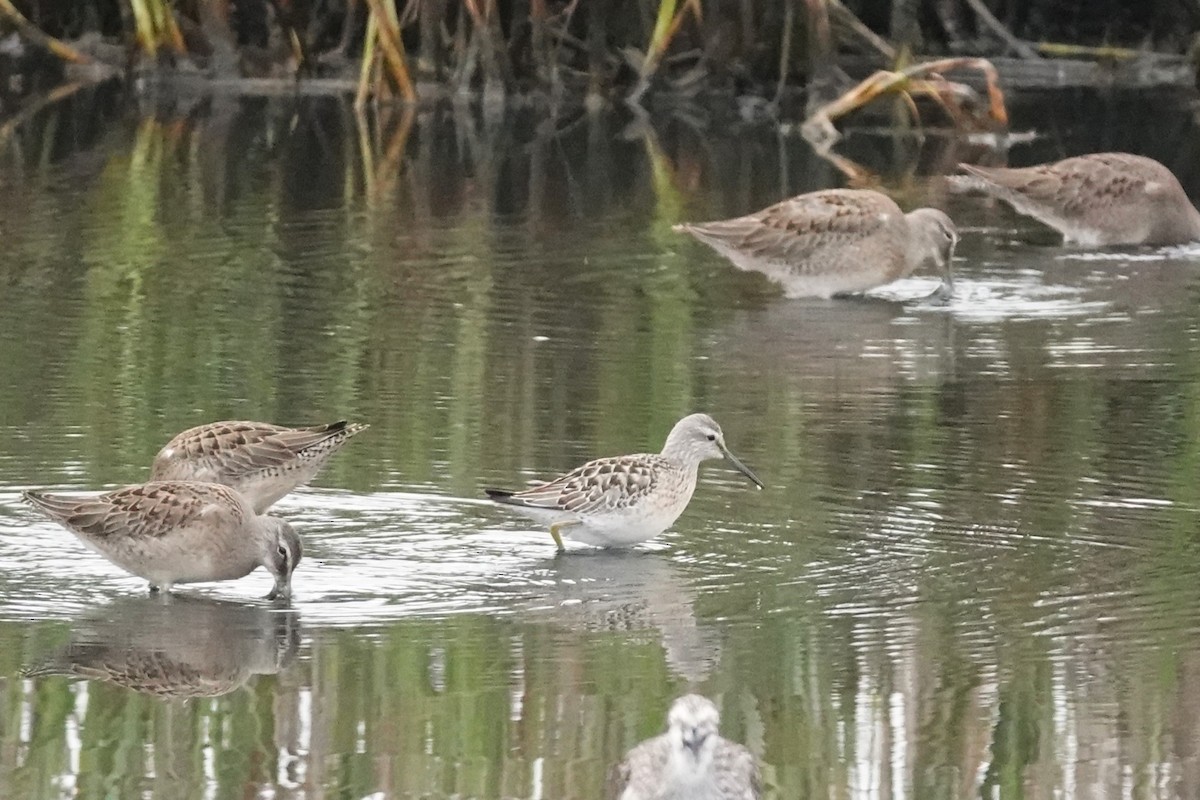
<point x="742" y="468"/>
<point x="944" y="293"/>
<point x="282" y="590"/>
<point x="694" y="741"/>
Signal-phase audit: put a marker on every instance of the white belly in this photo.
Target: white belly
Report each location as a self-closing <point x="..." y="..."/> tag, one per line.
<point x="608" y="524"/>
<point x="618" y="528"/>
<point x="624" y="528"/>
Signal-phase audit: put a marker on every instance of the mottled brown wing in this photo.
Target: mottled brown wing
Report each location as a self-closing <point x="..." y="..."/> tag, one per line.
<point x="607" y="483"/>
<point x="228" y="449"/>
<point x="214" y="451"/>
<point x="299" y="440"/>
<point x="148" y="510"/>
<point x="799" y="230"/>
<point x="1076" y="186"/>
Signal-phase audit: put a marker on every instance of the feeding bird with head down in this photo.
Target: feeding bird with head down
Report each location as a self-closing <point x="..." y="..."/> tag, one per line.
<point x="835" y="242"/>
<point x="171" y="532"/>
<point x="1095" y="200"/>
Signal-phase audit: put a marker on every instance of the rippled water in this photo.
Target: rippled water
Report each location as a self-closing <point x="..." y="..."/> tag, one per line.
<point x="975" y="570"/>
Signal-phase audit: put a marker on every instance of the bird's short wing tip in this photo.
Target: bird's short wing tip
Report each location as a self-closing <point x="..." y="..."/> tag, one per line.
<point x="344" y="427"/>
<point x="499" y="495"/>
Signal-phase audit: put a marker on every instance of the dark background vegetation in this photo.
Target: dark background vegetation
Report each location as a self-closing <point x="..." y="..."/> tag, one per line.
<point x="598" y="48"/>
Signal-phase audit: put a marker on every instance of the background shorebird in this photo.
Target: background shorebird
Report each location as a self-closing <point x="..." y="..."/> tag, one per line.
<point x="1097" y="200"/>
<point x="836" y="241"/>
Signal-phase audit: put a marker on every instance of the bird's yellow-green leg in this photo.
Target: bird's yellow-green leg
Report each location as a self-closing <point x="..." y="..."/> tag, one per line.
<point x="554" y="531"/>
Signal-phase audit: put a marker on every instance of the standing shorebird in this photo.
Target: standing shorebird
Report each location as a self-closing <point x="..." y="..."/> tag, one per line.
<point x="620" y="501"/>
<point x="262" y="461"/>
<point x="1097" y="200"/>
<point x="688" y="762"/>
<point x="837" y="241"/>
<point x="172" y="532"/>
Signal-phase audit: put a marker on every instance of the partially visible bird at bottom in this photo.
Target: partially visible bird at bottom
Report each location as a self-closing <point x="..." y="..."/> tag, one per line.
<point x="691" y="761"/>
<point x="171" y="532"/>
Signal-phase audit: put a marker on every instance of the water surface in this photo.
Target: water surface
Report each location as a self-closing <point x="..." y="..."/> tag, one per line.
<point x="975" y="571"/>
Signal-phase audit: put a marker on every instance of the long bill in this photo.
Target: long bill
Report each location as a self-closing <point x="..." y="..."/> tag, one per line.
<point x="283" y="588"/>
<point x="740" y="467"/>
<point x="947" y="287"/>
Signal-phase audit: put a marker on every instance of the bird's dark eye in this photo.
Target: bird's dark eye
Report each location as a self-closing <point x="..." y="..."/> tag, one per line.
<point x="712" y="437"/>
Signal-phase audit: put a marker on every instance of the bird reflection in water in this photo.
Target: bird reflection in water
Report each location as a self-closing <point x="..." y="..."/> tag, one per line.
<point x="176" y="649"/>
<point x="633" y="591"/>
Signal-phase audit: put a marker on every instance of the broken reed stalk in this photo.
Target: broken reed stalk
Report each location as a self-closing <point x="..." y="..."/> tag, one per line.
<point x="489" y="38"/>
<point x="31" y="108"/>
<point x="785" y="48"/>
<point x="542" y="65"/>
<point x="658" y="37"/>
<point x="368" y="65"/>
<point x="155" y="27"/>
<point x="168" y="28"/>
<point x="924" y="79"/>
<point x="666" y="25"/>
<point x="846" y="18"/>
<point x="383" y="32"/>
<point x="143" y="27"/>
<point x="1060" y="50"/>
<point x="985" y="16"/>
<point x="34" y="34"/>
<point x="398" y="58"/>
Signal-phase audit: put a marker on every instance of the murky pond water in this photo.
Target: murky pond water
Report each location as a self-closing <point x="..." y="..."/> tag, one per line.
<point x="975" y="570"/>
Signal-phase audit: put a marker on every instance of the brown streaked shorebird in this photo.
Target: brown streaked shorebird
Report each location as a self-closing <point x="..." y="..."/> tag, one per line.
<point x="689" y="762"/>
<point x="623" y="500"/>
<point x="172" y="532"/>
<point x="832" y="242"/>
<point x="262" y="461"/>
<point x="1097" y="200"/>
